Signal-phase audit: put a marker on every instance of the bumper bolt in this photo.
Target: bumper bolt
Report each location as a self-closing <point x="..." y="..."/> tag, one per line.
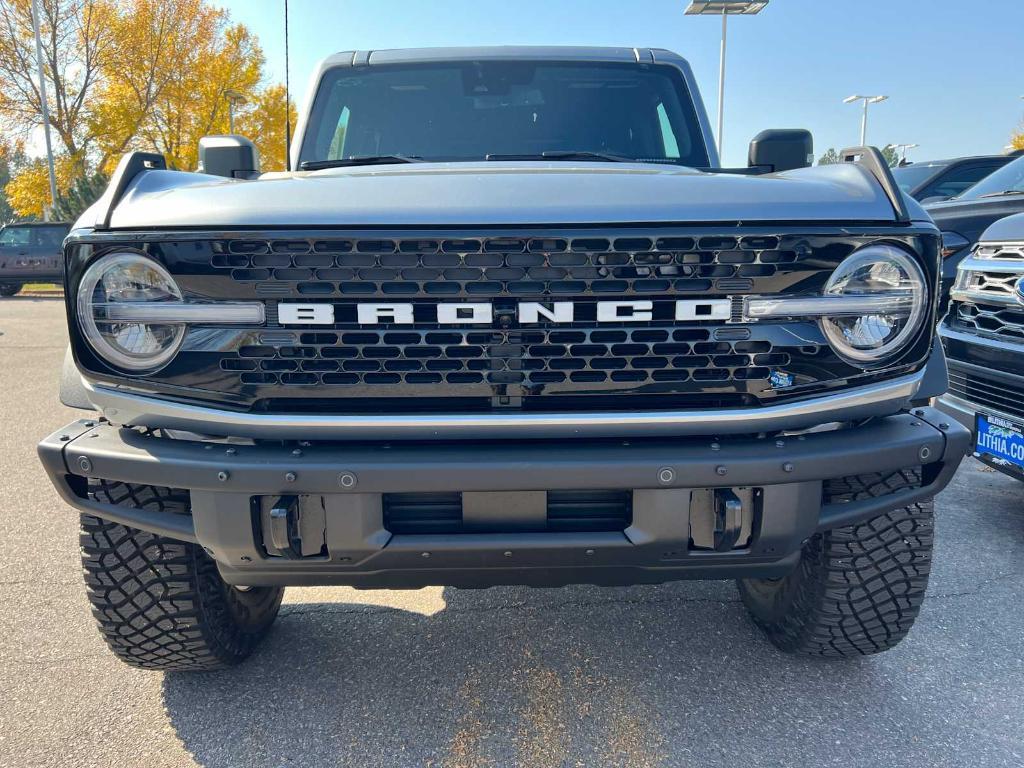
<point x="296" y="452"/>
<point x="223" y="476"/>
<point x="84" y="464"/>
<point x="925" y="452"/>
<point x="230" y="451"/>
<point x="289" y="477"/>
<point x="666" y="475"/>
<point x="89" y="424"/>
<point x="64" y="438"/>
<point x="347" y="480"/>
<point x="245" y="559"/>
<point x="589" y="552"/>
<point x="424" y="554"/>
<point x="787" y="467"/>
<point x="716" y="447"/>
<point x="507" y="554"/>
<point x="721" y="470"/>
<point x="943" y="426"/>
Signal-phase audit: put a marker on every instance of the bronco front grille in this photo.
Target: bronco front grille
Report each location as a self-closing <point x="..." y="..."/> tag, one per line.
<point x="584" y="365"/>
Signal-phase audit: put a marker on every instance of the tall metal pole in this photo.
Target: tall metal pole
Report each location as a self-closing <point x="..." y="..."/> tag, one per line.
<point x="287" y="98"/>
<point x="231" y="116"/>
<point x="721" y="84"/>
<point x="45" y="109"/>
<point x="864" y="125"/>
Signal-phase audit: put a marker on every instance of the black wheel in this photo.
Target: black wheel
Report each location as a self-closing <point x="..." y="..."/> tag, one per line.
<point x="9" y="289"/>
<point x="857" y="589"/>
<point x="161" y="603"/>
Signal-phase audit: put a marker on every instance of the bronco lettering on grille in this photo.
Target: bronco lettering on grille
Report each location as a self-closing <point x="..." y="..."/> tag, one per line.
<point x="527" y="312"/>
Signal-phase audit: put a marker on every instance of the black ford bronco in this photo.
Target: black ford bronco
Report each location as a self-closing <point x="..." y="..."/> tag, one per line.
<point x="506" y="321"/>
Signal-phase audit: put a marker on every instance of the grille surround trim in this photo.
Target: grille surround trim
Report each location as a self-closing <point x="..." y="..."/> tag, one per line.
<point x="879" y="399"/>
<point x="197" y="377"/>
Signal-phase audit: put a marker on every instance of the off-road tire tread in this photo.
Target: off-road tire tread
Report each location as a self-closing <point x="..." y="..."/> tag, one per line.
<point x="161" y="603"/>
<point x="859" y="588"/>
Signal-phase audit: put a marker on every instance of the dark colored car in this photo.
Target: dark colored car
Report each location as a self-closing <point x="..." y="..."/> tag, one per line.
<point x="30" y="252"/>
<point x="964" y="218"/>
<point x="984" y="339"/>
<point x="936" y="180"/>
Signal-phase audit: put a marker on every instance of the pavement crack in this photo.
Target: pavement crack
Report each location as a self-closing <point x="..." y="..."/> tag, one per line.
<point x="977" y="589"/>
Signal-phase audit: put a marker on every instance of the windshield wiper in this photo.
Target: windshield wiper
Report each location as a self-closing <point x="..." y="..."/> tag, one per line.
<point x="566" y="154"/>
<point x="1004" y="192"/>
<point x="344" y="162"/>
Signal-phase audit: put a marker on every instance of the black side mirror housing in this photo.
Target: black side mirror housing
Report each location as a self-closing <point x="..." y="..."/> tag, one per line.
<point x="234" y="157"/>
<point x="781" y="149"/>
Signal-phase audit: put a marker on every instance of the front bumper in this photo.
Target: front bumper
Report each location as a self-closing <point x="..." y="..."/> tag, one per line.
<point x="785" y="474"/>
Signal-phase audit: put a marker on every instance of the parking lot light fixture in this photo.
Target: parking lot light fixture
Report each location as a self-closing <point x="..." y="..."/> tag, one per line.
<point x="865" y="100"/>
<point x="902" y="149"/>
<point x="235" y="99"/>
<point x="725" y="9"/>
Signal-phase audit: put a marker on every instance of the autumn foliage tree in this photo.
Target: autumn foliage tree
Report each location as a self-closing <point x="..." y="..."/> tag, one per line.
<point x="144" y="75"/>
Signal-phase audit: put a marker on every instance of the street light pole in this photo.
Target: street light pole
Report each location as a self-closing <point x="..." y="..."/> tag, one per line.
<point x="721" y="82"/>
<point x="864" y="115"/>
<point x="724" y="8"/>
<point x="45" y="110"/>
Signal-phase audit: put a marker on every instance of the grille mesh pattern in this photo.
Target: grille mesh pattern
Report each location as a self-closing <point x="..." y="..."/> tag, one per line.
<point x="501" y="266"/>
<point x="638" y="355"/>
<point x="997" y="320"/>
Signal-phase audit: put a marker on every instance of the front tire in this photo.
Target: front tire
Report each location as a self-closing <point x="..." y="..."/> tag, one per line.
<point x="857" y="589"/>
<point x="162" y="604"/>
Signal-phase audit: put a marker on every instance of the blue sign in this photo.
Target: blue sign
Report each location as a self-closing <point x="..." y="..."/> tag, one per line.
<point x="1000" y="439"/>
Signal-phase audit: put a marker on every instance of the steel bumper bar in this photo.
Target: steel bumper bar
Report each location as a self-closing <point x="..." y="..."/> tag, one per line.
<point x="224" y="479"/>
<point x="124" y="407"/>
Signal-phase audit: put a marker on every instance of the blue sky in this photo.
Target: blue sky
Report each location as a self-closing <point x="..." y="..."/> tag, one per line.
<point x="954" y="77"/>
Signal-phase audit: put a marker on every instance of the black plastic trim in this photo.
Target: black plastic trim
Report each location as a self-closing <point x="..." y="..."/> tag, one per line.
<point x="873" y="162"/>
<point x="130" y="166"/>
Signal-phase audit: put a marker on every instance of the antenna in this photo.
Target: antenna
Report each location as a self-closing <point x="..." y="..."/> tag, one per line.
<point x="287" y="98"/>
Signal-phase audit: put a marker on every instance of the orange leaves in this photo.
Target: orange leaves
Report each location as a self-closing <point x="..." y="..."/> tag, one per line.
<point x="132" y="74"/>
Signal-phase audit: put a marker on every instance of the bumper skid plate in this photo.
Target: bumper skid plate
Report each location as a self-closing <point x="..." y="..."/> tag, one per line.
<point x="314" y="513"/>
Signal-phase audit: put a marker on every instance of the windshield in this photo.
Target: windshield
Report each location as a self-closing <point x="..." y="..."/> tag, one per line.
<point x="909" y="177"/>
<point x="469" y="110"/>
<point x="1009" y="178"/>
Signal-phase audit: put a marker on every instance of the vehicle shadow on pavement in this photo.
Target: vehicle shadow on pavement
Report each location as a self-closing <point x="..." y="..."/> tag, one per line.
<point x="509" y="676"/>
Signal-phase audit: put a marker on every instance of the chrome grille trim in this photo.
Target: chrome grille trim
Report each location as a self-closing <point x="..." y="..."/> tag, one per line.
<point x="989" y="275"/>
<point x="999" y="251"/>
<point x="124" y="407"/>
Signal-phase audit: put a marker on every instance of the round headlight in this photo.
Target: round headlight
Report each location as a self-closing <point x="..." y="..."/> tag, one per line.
<point x="891" y="283"/>
<point x="110" y="290"/>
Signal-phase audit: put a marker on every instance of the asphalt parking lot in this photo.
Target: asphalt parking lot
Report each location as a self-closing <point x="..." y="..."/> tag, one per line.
<point x="672" y="675"/>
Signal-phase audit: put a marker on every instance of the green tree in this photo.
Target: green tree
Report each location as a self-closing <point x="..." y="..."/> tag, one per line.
<point x="890" y="155"/>
<point x="82" y="192"/>
<point x="829" y="157"/>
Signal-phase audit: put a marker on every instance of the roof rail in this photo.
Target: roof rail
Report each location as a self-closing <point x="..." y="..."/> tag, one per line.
<point x="873" y="161"/>
<point x="130" y="166"/>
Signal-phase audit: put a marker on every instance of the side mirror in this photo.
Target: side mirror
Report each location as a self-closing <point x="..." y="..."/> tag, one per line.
<point x="234" y="157"/>
<point x="781" y="149"/>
